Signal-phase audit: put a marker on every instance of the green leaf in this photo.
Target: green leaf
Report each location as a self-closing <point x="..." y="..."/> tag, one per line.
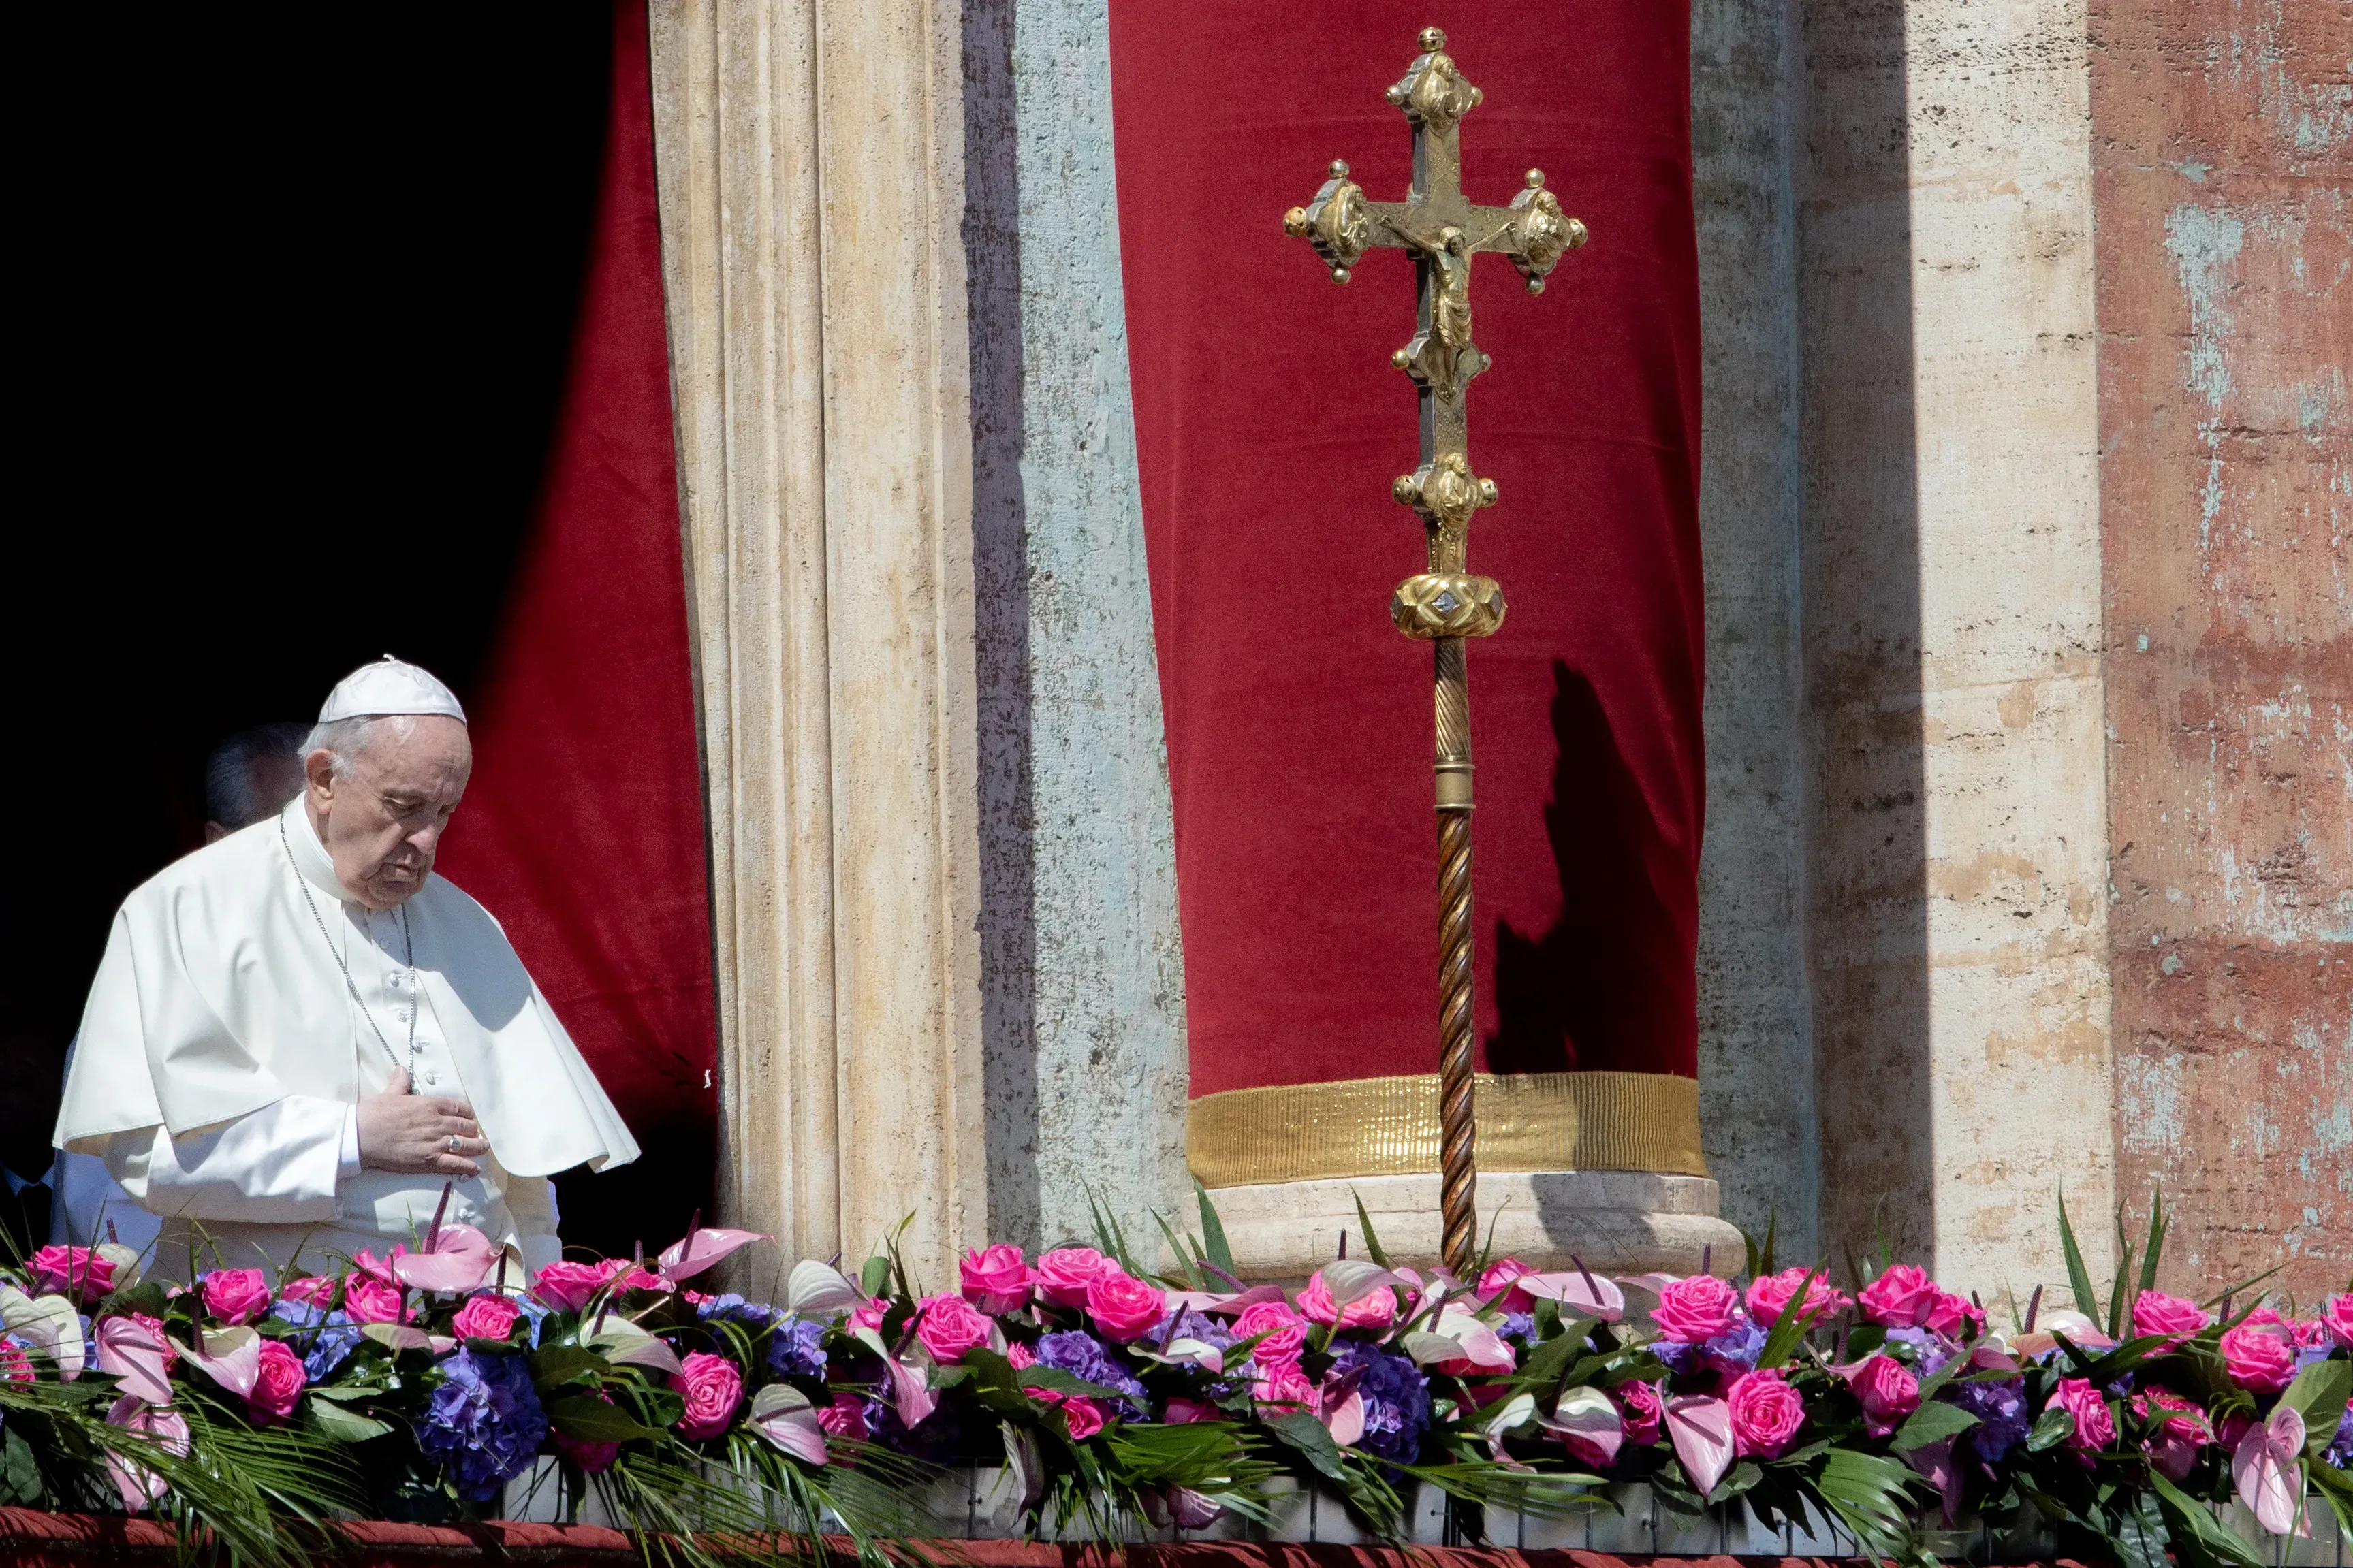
<point x="1744" y="1475"/>
<point x="560" y="1364"/>
<point x="2187" y="1521"/>
<point x="584" y="1419"/>
<point x="1933" y="1421"/>
<point x="1372" y="1243"/>
<point x="1869" y="1493"/>
<point x="2053" y="1426"/>
<point x="2156" y="1238"/>
<point x="2318" y="1395"/>
<point x="347" y="1393"/>
<point x="332" y="1420"/>
<point x="1865" y="1339"/>
<point x="2137" y="1534"/>
<point x="2078" y="1278"/>
<point x="1054" y="1380"/>
<point x="1213" y="1231"/>
<point x="1186" y="1268"/>
<point x="1302" y="1432"/>
<point x="1772" y="1229"/>
<point x="875" y="1275"/>
<point x="20" y="1476"/>
<point x="2116" y="1293"/>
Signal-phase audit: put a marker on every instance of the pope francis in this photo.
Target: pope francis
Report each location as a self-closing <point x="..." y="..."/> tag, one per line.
<point x="300" y="1034"/>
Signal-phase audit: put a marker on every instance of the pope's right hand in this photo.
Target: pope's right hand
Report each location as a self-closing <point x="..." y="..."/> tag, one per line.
<point x="412" y="1133"/>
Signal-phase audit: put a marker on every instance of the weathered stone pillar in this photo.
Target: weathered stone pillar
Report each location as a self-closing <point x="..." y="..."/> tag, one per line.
<point x="811" y="160"/>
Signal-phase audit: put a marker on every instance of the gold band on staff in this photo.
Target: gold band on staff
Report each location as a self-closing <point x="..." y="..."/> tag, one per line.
<point x="1442" y="230"/>
<point x="1389" y="1127"/>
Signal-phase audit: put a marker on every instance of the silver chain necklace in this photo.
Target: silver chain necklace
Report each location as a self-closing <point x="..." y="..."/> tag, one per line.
<point x="408" y="953"/>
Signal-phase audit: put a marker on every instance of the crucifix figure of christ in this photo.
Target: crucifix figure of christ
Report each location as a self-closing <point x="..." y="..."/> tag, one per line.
<point x="1446" y="604"/>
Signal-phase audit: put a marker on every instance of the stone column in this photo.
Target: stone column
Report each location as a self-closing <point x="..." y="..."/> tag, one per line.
<point x="811" y="160"/>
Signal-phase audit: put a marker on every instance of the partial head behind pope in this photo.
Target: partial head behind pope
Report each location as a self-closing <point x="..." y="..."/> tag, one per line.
<point x="300" y="1034"/>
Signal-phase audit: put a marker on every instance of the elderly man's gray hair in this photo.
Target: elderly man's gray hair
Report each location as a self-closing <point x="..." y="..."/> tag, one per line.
<point x="345" y="739"/>
<point x="232" y="796"/>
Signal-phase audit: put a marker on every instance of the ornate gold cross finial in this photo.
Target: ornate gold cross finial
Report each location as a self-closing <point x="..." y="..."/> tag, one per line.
<point x="1445" y="604"/>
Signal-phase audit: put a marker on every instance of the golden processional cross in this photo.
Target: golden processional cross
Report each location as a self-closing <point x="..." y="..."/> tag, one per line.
<point x="1446" y="604"/>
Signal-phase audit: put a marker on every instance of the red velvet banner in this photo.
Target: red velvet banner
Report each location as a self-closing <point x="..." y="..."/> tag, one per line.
<point x="581" y="830"/>
<point x="1268" y="426"/>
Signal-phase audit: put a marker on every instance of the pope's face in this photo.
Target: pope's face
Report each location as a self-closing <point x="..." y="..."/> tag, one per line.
<point x="382" y="824"/>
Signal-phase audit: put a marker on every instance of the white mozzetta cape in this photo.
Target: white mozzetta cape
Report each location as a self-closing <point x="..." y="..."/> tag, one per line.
<point x="219" y="996"/>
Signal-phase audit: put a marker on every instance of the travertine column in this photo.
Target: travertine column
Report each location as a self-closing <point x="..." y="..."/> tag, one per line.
<point x="811" y="160"/>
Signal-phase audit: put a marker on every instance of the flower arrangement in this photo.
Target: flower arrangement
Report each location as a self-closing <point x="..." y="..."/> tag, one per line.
<point x="421" y="1385"/>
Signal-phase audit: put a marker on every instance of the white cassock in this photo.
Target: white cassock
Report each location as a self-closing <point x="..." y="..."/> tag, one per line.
<point x="222" y="1054"/>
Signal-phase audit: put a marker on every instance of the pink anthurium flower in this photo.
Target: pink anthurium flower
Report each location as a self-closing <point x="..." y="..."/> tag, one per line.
<point x="138" y="1357"/>
<point x="782" y="1415"/>
<point x="702" y="1247"/>
<point x="1701" y="1427"/>
<point x="458" y="1260"/>
<point x="1343" y="1415"/>
<point x="1579" y="1296"/>
<point x="1483" y="1350"/>
<point x="1588" y="1417"/>
<point x="2269" y="1468"/>
<point x="139" y="1486"/>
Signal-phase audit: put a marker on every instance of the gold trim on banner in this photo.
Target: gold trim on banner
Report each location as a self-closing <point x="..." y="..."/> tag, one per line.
<point x="1388" y="1127"/>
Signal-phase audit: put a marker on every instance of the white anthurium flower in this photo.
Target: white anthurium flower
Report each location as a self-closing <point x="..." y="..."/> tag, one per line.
<point x="782" y="1415"/>
<point x="49" y="1324"/>
<point x="129" y="1262"/>
<point x="628" y="1343"/>
<point x="1351" y="1280"/>
<point x="814" y="1290"/>
<point x="230" y="1357"/>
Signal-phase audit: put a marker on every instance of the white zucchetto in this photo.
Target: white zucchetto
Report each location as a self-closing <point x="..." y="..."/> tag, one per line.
<point x="389" y="687"/>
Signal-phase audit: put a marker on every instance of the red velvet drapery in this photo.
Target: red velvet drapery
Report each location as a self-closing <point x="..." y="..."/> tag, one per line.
<point x="583" y="828"/>
<point x="1268" y="427"/>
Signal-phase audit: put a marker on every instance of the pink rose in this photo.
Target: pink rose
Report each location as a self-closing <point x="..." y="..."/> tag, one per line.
<point x="1019" y="1355"/>
<point x="1285" y="1384"/>
<point x="1065" y="1273"/>
<point x="1375" y="1310"/>
<point x="1124" y="1309"/>
<point x="369" y="1300"/>
<point x="1182" y="1411"/>
<point x="1640" y="1414"/>
<point x="377" y="1268"/>
<point x="2259" y="1357"/>
<point x="2181" y="1430"/>
<point x="279" y="1387"/>
<point x="2095" y="1427"/>
<point x="1888" y="1392"/>
<point x="1766" y="1414"/>
<point x="845" y="1418"/>
<point x="70" y="1271"/>
<point x="488" y="1316"/>
<point x="713" y="1388"/>
<point x="2339" y="1316"/>
<point x="1697" y="1308"/>
<point x="1769" y="1293"/>
<point x="2154" y="1312"/>
<point x="15" y="1365"/>
<point x="868" y="1314"/>
<point x="1903" y="1298"/>
<point x="567" y="1286"/>
<point x="1500" y="1273"/>
<point x="996" y="1279"/>
<point x="1949" y="1312"/>
<point x="949" y="1326"/>
<point x="1082" y="1419"/>
<point x="236" y="1295"/>
<point x="315" y="1289"/>
<point x="1286" y="1332"/>
<point x="2311" y="1335"/>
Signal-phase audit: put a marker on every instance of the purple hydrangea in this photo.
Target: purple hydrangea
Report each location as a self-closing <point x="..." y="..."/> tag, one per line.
<point x="732" y="1309"/>
<point x="2000" y="1409"/>
<point x="484" y="1422"/>
<point x="324" y="1350"/>
<point x="1930" y="1350"/>
<point x="2339" y="1452"/>
<point x="1520" y="1326"/>
<point x="1198" y="1326"/>
<point x="797" y="1349"/>
<point x="1735" y="1350"/>
<point x="1396" y="1396"/>
<point x="1087" y="1358"/>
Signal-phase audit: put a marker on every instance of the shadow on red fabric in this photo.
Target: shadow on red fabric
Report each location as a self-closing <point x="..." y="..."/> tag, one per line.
<point x="1268" y="427"/>
<point x="583" y="828"/>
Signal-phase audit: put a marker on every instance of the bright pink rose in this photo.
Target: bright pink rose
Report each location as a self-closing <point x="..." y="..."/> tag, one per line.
<point x="845" y="1418"/>
<point x="15" y="1365"/>
<point x="369" y="1300"/>
<point x="1285" y="1384"/>
<point x="1698" y="1307"/>
<point x="368" y="1263"/>
<point x="1374" y="1309"/>
<point x="1949" y="1311"/>
<point x="1286" y="1332"/>
<point x="713" y="1388"/>
<point x="1766" y="1414"/>
<point x="489" y="1316"/>
<point x="1019" y="1355"/>
<point x="236" y="1295"/>
<point x="1888" y="1392"/>
<point x="949" y="1326"/>
<point x="1082" y="1419"/>
<point x="1124" y="1309"/>
<point x="2339" y="1316"/>
<point x="1903" y="1298"/>
<point x="2259" y="1357"/>
<point x="1065" y="1273"/>
<point x="279" y="1387"/>
<point x="2312" y="1333"/>
<point x="1500" y="1273"/>
<point x="2154" y="1312"/>
<point x="996" y="1279"/>
<point x="1769" y="1293"/>
<point x="567" y="1286"/>
<point x="2181" y="1429"/>
<point x="2095" y="1427"/>
<point x="1182" y="1411"/>
<point x="1640" y="1414"/>
<point x="70" y="1270"/>
<point x="868" y="1314"/>
<point x="316" y="1288"/>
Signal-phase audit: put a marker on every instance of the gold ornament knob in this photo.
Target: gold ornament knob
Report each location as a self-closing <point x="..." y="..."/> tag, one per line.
<point x="1436" y="604"/>
<point x="1431" y="39"/>
<point x="1294" y="222"/>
